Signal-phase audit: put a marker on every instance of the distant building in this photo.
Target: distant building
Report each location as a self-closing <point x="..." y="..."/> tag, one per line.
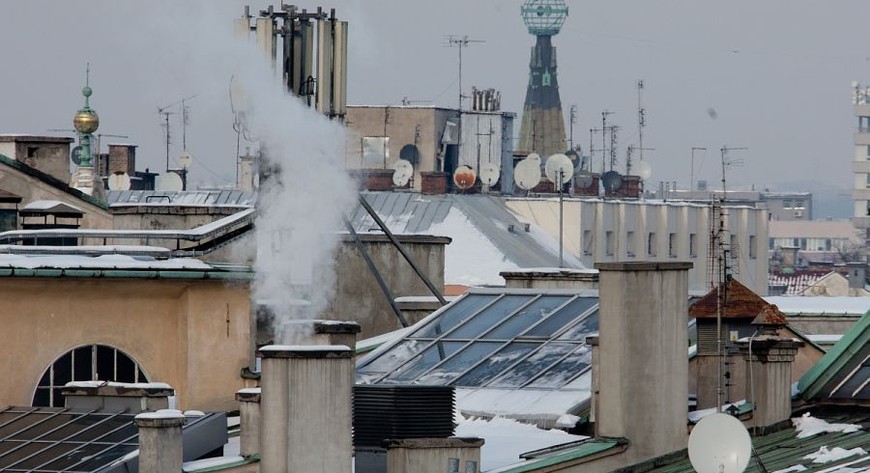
<point x="861" y="162"/>
<point x="784" y="206"/>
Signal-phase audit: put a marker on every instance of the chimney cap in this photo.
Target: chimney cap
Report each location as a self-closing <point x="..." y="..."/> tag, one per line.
<point x="305" y="351"/>
<point x="643" y="265"/>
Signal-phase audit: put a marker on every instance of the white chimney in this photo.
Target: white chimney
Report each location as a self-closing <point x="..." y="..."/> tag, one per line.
<point x="643" y="375"/>
<point x="769" y="360"/>
<point x="249" y="421"/>
<point x="160" y="441"/>
<point x="306" y="398"/>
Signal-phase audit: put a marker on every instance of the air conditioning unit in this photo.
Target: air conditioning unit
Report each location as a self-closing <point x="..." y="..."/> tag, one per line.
<point x="798" y="213"/>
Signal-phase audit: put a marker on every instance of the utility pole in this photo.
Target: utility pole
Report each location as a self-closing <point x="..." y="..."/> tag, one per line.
<point x="461" y="42"/>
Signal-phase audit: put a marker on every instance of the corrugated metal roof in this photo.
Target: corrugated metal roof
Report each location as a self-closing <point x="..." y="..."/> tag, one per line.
<point x="409" y="213"/>
<point x="844" y="372"/>
<point x="198" y="198"/>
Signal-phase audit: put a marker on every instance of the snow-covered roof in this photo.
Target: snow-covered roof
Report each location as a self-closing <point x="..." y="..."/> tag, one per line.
<point x="51" y="207"/>
<point x="99" y="262"/>
<point x="821" y="305"/>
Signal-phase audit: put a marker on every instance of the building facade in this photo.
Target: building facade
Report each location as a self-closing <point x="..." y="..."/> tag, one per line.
<point x="861" y="162"/>
<point x="597" y="230"/>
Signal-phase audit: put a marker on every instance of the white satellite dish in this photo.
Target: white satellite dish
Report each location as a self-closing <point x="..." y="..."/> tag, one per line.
<point x="169" y="182"/>
<point x="527" y="173"/>
<point x="404" y="170"/>
<point x="644" y="170"/>
<point x="534" y="157"/>
<point x="559" y="164"/>
<point x="185" y="160"/>
<point x="719" y="443"/>
<point x="119" y="182"/>
<point x="489" y="174"/>
<point x="584" y="179"/>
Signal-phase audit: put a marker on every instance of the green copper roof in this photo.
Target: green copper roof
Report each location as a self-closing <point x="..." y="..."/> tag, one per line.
<point x="583" y="450"/>
<point x="856" y="339"/>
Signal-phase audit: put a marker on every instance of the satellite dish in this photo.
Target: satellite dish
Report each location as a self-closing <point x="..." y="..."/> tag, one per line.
<point x="583" y="179"/>
<point x="76" y="155"/>
<point x="559" y="164"/>
<point x="534" y="157"/>
<point x="404" y="171"/>
<point x="185" y="159"/>
<point x="410" y="153"/>
<point x="644" y="170"/>
<point x="489" y="173"/>
<point x="464" y="177"/>
<point x="719" y="443"/>
<point x="119" y="182"/>
<point x="527" y="174"/>
<point x="169" y="182"/>
<point x="612" y="181"/>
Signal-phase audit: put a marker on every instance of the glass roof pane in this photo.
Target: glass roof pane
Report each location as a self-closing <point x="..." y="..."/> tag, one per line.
<point x="101" y="429"/>
<point x="74" y="457"/>
<point x="52" y="452"/>
<point x="531" y="366"/>
<point x="23" y="451"/>
<point x="430" y="357"/>
<point x="565" y="370"/>
<point x="493" y="365"/>
<point x="127" y="434"/>
<point x="20" y="424"/>
<point x="853" y="383"/>
<point x="454" y="315"/>
<point x="578" y="333"/>
<point x="490" y="316"/>
<point x="7" y="416"/>
<point x="390" y="360"/>
<point x="106" y="457"/>
<point x="465" y="359"/>
<point x="526" y="317"/>
<point x="564" y="317"/>
<point x="49" y="423"/>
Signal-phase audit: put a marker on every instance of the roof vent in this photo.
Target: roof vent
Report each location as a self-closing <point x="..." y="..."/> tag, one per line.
<point x="401" y="412"/>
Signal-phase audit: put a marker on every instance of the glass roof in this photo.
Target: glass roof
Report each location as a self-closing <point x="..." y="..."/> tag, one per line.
<point x="503" y="339"/>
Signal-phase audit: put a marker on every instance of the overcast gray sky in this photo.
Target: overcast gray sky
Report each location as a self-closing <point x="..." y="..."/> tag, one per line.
<point x="777" y="73"/>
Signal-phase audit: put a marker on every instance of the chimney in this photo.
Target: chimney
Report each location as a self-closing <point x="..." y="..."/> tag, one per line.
<point x="306" y="391"/>
<point x="789" y="256"/>
<point x="249" y="414"/>
<point x="857" y="276"/>
<point x="768" y="365"/>
<point x="130" y="397"/>
<point x="555" y="278"/>
<point x="433" y="182"/>
<point x="643" y="375"/>
<point x="122" y="159"/>
<point x="160" y="441"/>
<point x="435" y="455"/>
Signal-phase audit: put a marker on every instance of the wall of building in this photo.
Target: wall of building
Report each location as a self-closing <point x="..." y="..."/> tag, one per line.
<point x="609" y="230"/>
<point x="822" y="324"/>
<point x="193" y="335"/>
<point x="46" y="153"/>
<point x="404" y="125"/>
<point x="359" y="298"/>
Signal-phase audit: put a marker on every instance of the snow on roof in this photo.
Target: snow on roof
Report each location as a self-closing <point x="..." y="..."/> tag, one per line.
<point x="506" y="439"/>
<point x="824" y="455"/>
<point x="544" y="406"/>
<point x="212" y="463"/>
<point x="821" y="305"/>
<point x="807" y="426"/>
<point x="51" y="206"/>
<point x="98" y="262"/>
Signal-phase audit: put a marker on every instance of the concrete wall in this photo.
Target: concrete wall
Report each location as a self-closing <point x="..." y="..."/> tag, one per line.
<point x="588" y="221"/>
<point x="822" y="324"/>
<point x="433" y="455"/>
<point x="358" y="296"/>
<point x="193" y="335"/>
<point x="46" y="153"/>
<point x="405" y="125"/>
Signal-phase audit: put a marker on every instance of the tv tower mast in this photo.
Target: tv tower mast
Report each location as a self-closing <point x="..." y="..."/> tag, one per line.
<point x="543" y="126"/>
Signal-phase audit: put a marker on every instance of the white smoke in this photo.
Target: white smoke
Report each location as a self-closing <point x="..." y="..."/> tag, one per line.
<point x="299" y="207"/>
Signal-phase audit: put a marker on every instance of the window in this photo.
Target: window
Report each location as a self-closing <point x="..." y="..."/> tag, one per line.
<point x="630" y="249"/>
<point x="693" y="245"/>
<point x="470" y="466"/>
<point x="868" y="181"/>
<point x="868" y="151"/>
<point x="375" y="151"/>
<point x="787" y="204"/>
<point x="799" y="204"/>
<point x="453" y="465"/>
<point x="588" y="242"/>
<point x="608" y="243"/>
<point x="31" y="151"/>
<point x="651" y="244"/>
<point x="672" y="245"/>
<point x="753" y="251"/>
<point x="734" y="246"/>
<point x="90" y="362"/>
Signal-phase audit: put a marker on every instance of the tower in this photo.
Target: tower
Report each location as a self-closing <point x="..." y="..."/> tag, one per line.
<point x="86" y="121"/>
<point x="543" y="127"/>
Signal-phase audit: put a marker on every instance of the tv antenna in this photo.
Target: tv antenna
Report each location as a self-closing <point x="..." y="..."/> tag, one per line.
<point x="641" y="124"/>
<point x="559" y="170"/>
<point x="461" y="42"/>
<point x="728" y="161"/>
<point x="166" y="111"/>
<point x="572" y="118"/>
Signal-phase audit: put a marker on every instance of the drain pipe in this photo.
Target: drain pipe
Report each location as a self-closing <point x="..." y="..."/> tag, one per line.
<point x="401" y="248"/>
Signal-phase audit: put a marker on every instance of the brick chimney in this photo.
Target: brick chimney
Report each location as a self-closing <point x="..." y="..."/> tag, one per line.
<point x="769" y="360"/>
<point x="306" y="391"/>
<point x="643" y="375"/>
<point x="122" y="159"/>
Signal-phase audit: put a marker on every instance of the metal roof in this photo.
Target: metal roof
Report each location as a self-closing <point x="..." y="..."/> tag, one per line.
<point x="843" y="374"/>
<point x="739" y="302"/>
<point x="196" y="198"/>
<point x="406" y="212"/>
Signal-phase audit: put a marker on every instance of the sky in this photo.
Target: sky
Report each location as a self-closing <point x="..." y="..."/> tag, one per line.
<point x="771" y="76"/>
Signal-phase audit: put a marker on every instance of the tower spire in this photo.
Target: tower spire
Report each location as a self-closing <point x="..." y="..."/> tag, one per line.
<point x="86" y="121"/>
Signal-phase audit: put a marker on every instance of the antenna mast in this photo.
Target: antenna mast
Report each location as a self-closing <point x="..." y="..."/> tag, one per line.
<point x="461" y="42"/>
<point x="726" y="161"/>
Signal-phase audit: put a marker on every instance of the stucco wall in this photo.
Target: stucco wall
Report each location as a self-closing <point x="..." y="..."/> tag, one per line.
<point x="193" y="335"/>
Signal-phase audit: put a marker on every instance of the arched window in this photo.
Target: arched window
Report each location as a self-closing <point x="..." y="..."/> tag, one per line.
<point x="85" y="363"/>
